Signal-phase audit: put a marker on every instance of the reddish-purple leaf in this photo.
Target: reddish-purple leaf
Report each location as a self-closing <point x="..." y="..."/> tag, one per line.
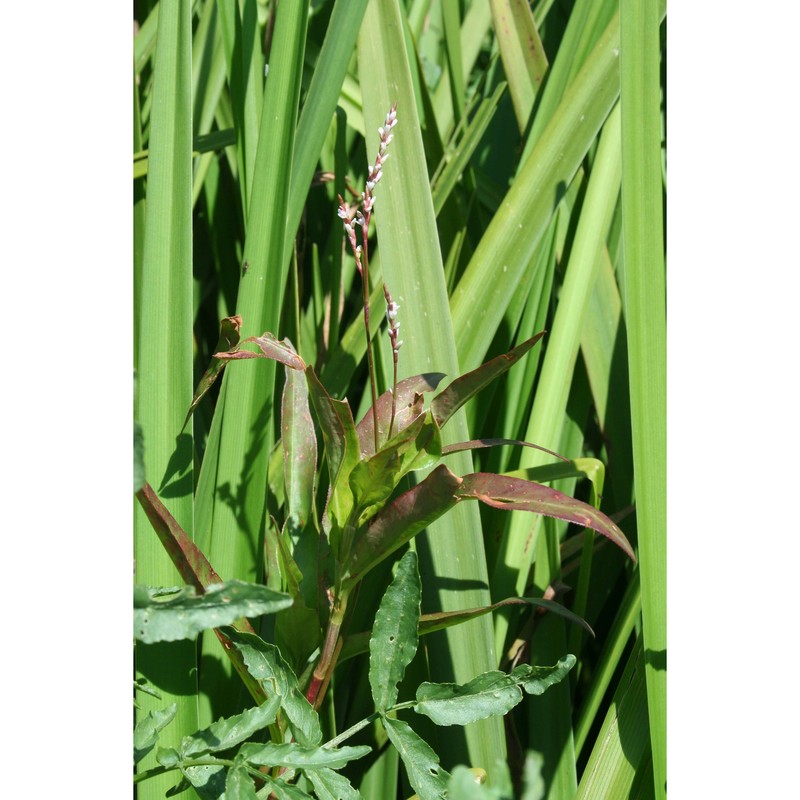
<point x="281" y="351"/>
<point x="196" y="571"/>
<point x="400" y="521"/>
<point x="406" y="410"/>
<point x="446" y="403"/>
<point x="517" y="494"/>
<point x="476" y="444"/>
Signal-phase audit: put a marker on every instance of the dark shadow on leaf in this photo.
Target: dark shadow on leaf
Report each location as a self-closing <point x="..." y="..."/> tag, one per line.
<point x="177" y="479"/>
<point x="657" y="659"/>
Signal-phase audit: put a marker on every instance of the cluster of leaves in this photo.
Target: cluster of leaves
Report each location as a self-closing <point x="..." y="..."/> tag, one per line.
<point x="227" y="758"/>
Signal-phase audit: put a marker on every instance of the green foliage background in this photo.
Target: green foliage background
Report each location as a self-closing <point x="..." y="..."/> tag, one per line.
<point x="524" y="191"/>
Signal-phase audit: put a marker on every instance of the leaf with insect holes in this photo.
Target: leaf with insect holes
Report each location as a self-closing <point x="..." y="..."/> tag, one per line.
<point x="266" y="664"/>
<point x="425" y="773"/>
<point x="394" y="636"/>
<point x="295" y="756"/>
<point x="185" y="614"/>
<point x="229" y="732"/>
<point x="492" y="693"/>
<point x="145" y="735"/>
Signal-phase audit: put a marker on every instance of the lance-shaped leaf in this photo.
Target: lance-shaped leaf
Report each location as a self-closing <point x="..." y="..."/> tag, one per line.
<point x="446" y="403"/>
<point x="296" y="756"/>
<point x="265" y="663"/>
<point x="342" y="451"/>
<point x="330" y="785"/>
<point x="418" y="446"/>
<point x="424" y="772"/>
<point x="145" y="735"/>
<point x="405" y="411"/>
<point x="229" y="732"/>
<point x="228" y="342"/>
<point x="185" y="614"/>
<point x="358" y="643"/>
<point x="271" y="348"/>
<point x="299" y="448"/>
<point x="478" y="444"/>
<point x="285" y="791"/>
<point x="488" y="694"/>
<point x="239" y="785"/>
<point x="400" y="521"/>
<point x="190" y="562"/>
<point x="516" y="494"/>
<point x="394" y="636"/>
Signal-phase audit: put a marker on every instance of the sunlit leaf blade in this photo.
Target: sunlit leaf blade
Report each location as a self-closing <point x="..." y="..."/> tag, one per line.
<point x="228" y="341"/>
<point x="265" y="664"/>
<point x="232" y="731"/>
<point x="424" y="772"/>
<point x="516" y="494"/>
<point x="299" y="448"/>
<point x="447" y="402"/>
<point x="394" y="636"/>
<point x="239" y="785"/>
<point x="145" y="734"/>
<point x="493" y="693"/>
<point x="300" y="757"/>
<point x="184" y="615"/>
<point x="401" y="520"/>
<point x="481" y="297"/>
<point x="404" y="413"/>
<point x="524" y="59"/>
<point x="330" y="785"/>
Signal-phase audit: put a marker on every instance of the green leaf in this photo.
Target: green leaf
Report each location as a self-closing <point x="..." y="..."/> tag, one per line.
<point x="138" y="457"/>
<point x="536" y="680"/>
<point x="265" y="664"/>
<point x="516" y="494"/>
<point x="229" y="732"/>
<point x="168" y="757"/>
<point x="464" y="784"/>
<point x="296" y="756"/>
<point x="208" y="780"/>
<point x="424" y="772"/>
<point x="186" y="614"/>
<point x="418" y="446"/>
<point x="228" y="341"/>
<point x="394" y="636"/>
<point x="330" y="785"/>
<point x="299" y="448"/>
<point x="400" y="521"/>
<point x="285" y="791"/>
<point x="145" y="734"/>
<point x="490" y="694"/>
<point x="239" y="785"/>
<point x="446" y="403"/>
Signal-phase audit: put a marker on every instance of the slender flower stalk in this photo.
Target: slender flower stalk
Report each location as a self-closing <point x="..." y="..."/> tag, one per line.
<point x="353" y="217"/>
<point x="391" y="317"/>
